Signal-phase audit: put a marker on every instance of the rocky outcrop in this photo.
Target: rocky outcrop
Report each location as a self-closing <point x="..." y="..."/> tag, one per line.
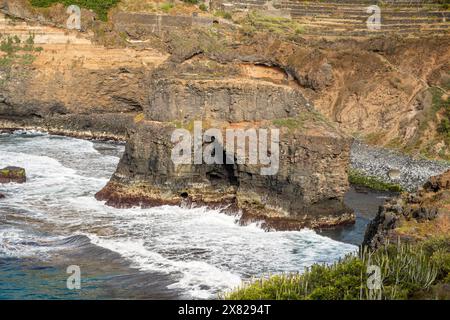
<point x="12" y="174"/>
<point x="226" y="78"/>
<point x="388" y="101"/>
<point x="72" y="86"/>
<point x="413" y="216"/>
<point x="305" y="190"/>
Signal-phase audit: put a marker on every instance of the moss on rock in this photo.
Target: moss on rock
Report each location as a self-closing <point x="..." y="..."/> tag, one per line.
<point x="358" y="178"/>
<point x="12" y="174"/>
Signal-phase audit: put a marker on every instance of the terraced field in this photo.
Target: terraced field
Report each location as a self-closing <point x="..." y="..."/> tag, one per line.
<point x="348" y="17"/>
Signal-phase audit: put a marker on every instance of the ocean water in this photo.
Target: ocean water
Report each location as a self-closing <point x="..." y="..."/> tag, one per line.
<point x="53" y="221"/>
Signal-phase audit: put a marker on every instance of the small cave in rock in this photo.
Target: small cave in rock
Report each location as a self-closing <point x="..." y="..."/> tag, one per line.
<point x="230" y="175"/>
<point x="214" y="176"/>
<point x="230" y="169"/>
<point x="223" y="173"/>
<point x="184" y="195"/>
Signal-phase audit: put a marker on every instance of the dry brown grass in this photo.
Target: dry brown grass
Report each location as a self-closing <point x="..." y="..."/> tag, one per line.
<point x="155" y="6"/>
<point x="424" y="230"/>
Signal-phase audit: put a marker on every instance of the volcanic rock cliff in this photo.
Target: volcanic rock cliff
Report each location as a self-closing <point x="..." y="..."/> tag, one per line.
<point x="129" y="80"/>
<point x="68" y="84"/>
<point x="413" y="217"/>
<point x="307" y="186"/>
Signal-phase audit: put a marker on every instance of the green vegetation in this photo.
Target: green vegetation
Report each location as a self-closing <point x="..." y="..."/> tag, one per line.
<point x="304" y="120"/>
<point x="445" y="4"/>
<point x="100" y="7"/>
<point x="223" y="14"/>
<point x="203" y="7"/>
<point x="356" y="177"/>
<point x="438" y="249"/>
<point x="14" y="51"/>
<point x="406" y="271"/>
<point x="437" y="105"/>
<point x="437" y="117"/>
<point x="11" y="46"/>
<point x="191" y="1"/>
<point x="290" y="123"/>
<point x="441" y="104"/>
<point x="210" y="40"/>
<point x="166" y="6"/>
<point x="374" y="138"/>
<point x="282" y="26"/>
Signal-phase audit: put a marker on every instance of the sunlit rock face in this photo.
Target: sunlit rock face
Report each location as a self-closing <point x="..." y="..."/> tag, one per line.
<point x="309" y="176"/>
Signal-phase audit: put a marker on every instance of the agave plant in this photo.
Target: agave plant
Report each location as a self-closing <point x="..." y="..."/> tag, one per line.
<point x="402" y="266"/>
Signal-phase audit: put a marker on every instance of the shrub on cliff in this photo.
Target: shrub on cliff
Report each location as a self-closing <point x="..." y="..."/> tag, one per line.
<point x="166" y="6"/>
<point x="15" y="52"/>
<point x="442" y="104"/>
<point x="341" y="280"/>
<point x="223" y="14"/>
<point x="438" y="248"/>
<point x="284" y="27"/>
<point x="405" y="271"/>
<point x="100" y="7"/>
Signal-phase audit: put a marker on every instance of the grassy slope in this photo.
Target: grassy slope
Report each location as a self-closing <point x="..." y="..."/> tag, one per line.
<point x="100" y="7"/>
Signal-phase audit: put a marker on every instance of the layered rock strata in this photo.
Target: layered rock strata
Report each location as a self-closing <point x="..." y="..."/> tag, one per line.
<point x="69" y="85"/>
<point x="307" y="186"/>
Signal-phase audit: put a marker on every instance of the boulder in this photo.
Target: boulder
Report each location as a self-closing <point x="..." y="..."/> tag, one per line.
<point x="422" y="207"/>
<point x="12" y="174"/>
<point x="425" y="213"/>
<point x="437" y="183"/>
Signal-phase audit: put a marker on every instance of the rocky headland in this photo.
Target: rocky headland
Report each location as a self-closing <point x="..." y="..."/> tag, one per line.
<point x="413" y="217"/>
<point x="309" y="185"/>
<point x="139" y="77"/>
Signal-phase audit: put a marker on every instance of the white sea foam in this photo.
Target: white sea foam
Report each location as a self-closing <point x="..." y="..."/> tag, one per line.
<point x="19" y="243"/>
<point x="204" y="251"/>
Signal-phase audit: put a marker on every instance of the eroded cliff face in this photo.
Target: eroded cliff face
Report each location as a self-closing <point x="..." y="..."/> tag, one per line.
<point x="385" y="90"/>
<point x="308" y="185"/>
<point x="71" y="85"/>
<point x="150" y="84"/>
<point x="413" y="217"/>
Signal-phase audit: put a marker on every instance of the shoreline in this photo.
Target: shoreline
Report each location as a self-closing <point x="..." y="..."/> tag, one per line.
<point x="393" y="167"/>
<point x="121" y="196"/>
<point x="272" y="223"/>
<point x="83" y="135"/>
<point x="359" y="152"/>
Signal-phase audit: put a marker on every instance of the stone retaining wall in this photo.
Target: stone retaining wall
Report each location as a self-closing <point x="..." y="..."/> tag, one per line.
<point x="155" y="23"/>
